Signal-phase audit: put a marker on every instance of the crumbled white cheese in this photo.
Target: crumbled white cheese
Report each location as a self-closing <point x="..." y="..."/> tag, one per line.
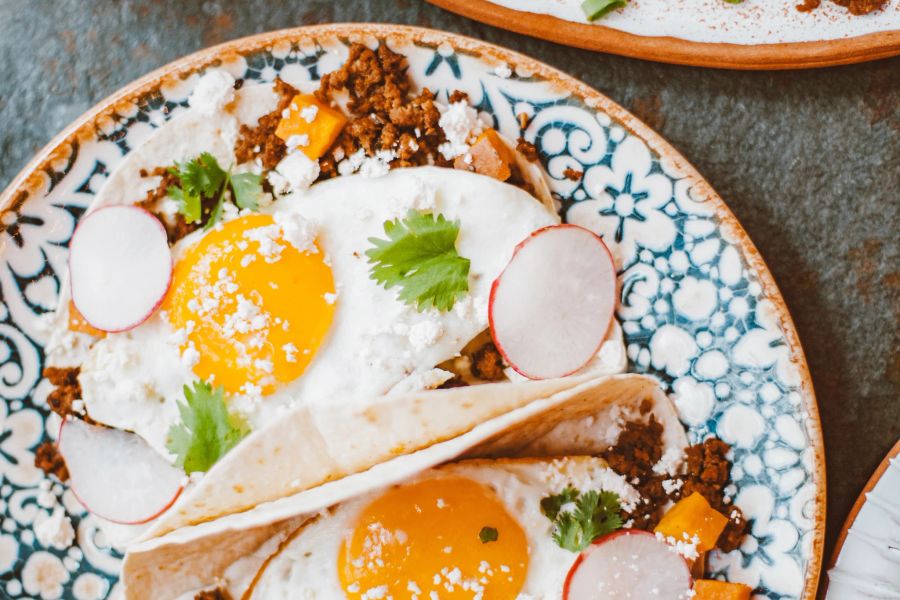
<point x="672" y="485"/>
<point x="298" y="231"/>
<point x="297" y="172"/>
<point x="213" y="91"/>
<point x="297" y="141"/>
<point x="459" y="121"/>
<point x="425" y="334"/>
<point x="308" y="113"/>
<point x="290" y="352"/>
<point x="329" y="298"/>
<point x="54" y="530"/>
<point x="686" y="547"/>
<point x="46" y="497"/>
<point x="267" y="238"/>
<point x="503" y="71"/>
<point x="669" y="463"/>
<point x="368" y="166"/>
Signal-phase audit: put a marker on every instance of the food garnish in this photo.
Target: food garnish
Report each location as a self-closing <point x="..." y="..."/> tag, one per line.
<point x="116" y="474"/>
<point x="552" y="305"/>
<point x="594" y="9"/>
<point x="629" y="564"/>
<point x="488" y="534"/>
<point x="202" y="177"/>
<point x="207" y="430"/>
<point x="592" y="514"/>
<point x="692" y="518"/>
<point x="420" y="256"/>
<point x="120" y="267"/>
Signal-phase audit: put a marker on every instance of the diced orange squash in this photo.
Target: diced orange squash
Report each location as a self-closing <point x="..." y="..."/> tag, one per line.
<point x="79" y="325"/>
<point x="710" y="589"/>
<point x="489" y="155"/>
<point x="693" y="516"/>
<point x="324" y="128"/>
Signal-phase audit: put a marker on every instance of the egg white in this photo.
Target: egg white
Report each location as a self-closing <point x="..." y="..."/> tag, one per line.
<point x="132" y="380"/>
<point x="306" y="567"/>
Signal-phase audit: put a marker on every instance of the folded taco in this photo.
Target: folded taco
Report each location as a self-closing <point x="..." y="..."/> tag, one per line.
<point x="510" y="509"/>
<point x="286" y="285"/>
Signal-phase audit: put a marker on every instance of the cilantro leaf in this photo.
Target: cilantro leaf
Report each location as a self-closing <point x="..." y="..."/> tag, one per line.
<point x="202" y="177"/>
<point x="247" y="188"/>
<point x="189" y="205"/>
<point x="488" y="534"/>
<point x="551" y="505"/>
<point x="206" y="431"/>
<point x="420" y="256"/>
<point x="595" y="514"/>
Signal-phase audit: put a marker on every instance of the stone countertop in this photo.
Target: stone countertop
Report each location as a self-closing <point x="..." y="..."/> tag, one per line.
<point x="809" y="161"/>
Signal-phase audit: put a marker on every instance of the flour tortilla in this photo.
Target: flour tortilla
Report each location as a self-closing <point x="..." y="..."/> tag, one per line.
<point x="561" y="423"/>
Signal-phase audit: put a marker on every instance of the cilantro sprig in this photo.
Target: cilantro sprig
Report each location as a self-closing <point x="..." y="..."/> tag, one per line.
<point x="579" y="519"/>
<point x="420" y="257"/>
<point x="207" y="431"/>
<point x="202" y="177"/>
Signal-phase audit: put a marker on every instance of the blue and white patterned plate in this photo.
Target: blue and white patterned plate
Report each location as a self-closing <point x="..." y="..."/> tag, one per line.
<point x="698" y="306"/>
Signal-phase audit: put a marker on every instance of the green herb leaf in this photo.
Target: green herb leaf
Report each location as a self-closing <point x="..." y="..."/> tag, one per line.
<point x="420" y="256"/>
<point x="595" y="514"/>
<point x="202" y="178"/>
<point x="189" y="205"/>
<point x="247" y="188"/>
<point x="207" y="431"/>
<point x="595" y="9"/>
<point x="488" y="534"/>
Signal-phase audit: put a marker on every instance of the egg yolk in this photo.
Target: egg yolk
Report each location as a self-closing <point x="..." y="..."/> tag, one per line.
<point x="427" y="537"/>
<point x="251" y="309"/>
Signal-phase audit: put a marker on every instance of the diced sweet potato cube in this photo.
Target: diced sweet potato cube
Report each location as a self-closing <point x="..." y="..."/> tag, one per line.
<point x="322" y="128"/>
<point x="710" y="589"/>
<point x="489" y="155"/>
<point x="690" y="517"/>
<point x="79" y="325"/>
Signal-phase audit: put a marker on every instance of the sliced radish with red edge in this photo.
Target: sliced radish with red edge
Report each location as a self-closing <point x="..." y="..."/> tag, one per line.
<point x="552" y="305"/>
<point x="629" y="564"/>
<point x="120" y="267"/>
<point x="116" y="474"/>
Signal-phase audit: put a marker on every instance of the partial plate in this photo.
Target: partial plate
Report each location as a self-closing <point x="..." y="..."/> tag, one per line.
<point x="866" y="559"/>
<point x="755" y="34"/>
<point x="698" y="306"/>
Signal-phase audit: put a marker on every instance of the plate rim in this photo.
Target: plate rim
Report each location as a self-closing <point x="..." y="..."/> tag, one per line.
<point x="672" y="50"/>
<point x="31" y="178"/>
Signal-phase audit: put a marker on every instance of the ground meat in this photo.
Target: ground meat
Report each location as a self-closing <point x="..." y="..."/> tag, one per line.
<point x="528" y="150"/>
<point x="66" y="389"/>
<point x="487" y="363"/>
<point x="383" y="115"/>
<point x="261" y="141"/>
<point x="706" y="471"/>
<point x="216" y="594"/>
<point x="572" y="174"/>
<point x="458" y="96"/>
<point x="48" y="459"/>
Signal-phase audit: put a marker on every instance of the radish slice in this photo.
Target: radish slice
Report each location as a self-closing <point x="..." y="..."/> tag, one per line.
<point x="552" y="305"/>
<point x="116" y="474"/>
<point x="628" y="564"/>
<point x="120" y="267"/>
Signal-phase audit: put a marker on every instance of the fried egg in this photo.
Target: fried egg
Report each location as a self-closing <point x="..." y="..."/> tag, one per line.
<point x="278" y="307"/>
<point x="424" y="538"/>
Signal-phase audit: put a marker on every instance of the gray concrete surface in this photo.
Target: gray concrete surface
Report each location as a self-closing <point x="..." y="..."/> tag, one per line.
<point x="809" y="162"/>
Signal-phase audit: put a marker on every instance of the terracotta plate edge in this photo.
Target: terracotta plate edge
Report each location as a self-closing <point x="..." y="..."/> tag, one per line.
<point x="25" y="181"/>
<point x="795" y="55"/>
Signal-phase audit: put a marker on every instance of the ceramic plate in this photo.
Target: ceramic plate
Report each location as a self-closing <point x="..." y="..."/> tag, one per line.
<point x="752" y="34"/>
<point x="866" y="560"/>
<point x="698" y="306"/>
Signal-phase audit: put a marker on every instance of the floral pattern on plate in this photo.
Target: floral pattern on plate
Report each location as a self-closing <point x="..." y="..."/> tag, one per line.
<point x="696" y="308"/>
